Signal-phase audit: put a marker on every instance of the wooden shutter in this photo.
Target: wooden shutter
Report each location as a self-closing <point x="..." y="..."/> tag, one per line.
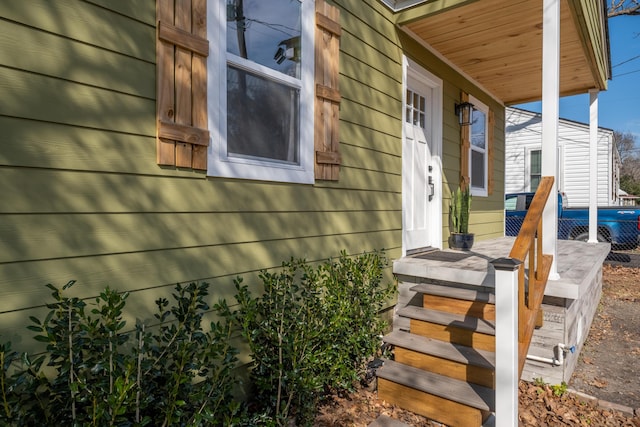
<point x="327" y="102"/>
<point x="182" y="50"/>
<point x="490" y="143"/>
<point x="465" y="146"/>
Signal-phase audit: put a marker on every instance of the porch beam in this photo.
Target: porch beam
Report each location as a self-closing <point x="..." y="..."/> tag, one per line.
<point x="593" y="166"/>
<point x="550" y="118"/>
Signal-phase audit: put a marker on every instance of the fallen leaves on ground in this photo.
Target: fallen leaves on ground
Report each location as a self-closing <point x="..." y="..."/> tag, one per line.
<point x="621" y="283"/>
<point x="538" y="407"/>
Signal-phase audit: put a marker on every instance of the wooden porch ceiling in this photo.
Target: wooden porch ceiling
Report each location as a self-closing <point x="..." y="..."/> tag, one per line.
<point x="499" y="44"/>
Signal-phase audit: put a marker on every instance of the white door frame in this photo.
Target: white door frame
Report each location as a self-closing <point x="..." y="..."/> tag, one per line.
<point x="413" y="70"/>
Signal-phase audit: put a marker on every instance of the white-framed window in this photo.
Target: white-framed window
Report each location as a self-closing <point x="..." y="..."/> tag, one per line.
<point x="478" y="148"/>
<point x="260" y="85"/>
<point x="535" y="169"/>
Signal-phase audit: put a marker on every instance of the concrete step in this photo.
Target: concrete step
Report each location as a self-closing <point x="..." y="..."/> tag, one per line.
<point x="437" y="397"/>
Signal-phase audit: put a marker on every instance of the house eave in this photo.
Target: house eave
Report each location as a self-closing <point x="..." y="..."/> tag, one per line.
<point x="499" y="45"/>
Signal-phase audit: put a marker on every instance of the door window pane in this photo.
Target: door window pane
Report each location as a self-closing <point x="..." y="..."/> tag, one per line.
<point x="416" y="109"/>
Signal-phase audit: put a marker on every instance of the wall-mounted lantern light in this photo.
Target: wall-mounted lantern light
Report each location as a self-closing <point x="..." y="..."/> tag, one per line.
<point x="464" y="112"/>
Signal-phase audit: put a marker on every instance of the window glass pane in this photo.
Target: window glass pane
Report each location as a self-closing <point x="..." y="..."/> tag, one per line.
<point x="266" y="32"/>
<point x="478" y="128"/>
<point x="535" y="181"/>
<point x="536" y="162"/>
<point x="262" y="119"/>
<point x="477" y="169"/>
<point x="535" y="169"/>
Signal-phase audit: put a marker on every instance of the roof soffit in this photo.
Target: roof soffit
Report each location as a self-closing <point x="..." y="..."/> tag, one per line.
<point x="499" y="44"/>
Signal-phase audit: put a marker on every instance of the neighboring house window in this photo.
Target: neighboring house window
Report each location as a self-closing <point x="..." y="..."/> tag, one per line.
<point x="261" y="90"/>
<point x="478" y="148"/>
<point x="535" y="169"/>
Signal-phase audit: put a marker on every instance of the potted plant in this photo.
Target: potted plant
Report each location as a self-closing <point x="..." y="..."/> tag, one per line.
<point x="459" y="210"/>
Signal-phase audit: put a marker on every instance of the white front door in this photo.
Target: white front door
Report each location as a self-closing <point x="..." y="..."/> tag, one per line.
<point x="421" y="162"/>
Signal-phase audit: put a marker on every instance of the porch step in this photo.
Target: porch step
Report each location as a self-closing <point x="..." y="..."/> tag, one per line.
<point x="447" y="400"/>
<point x="469" y="302"/>
<point x="473" y="324"/>
<point x="479" y="294"/>
<point x="476" y="333"/>
<point x="444" y="358"/>
<point x="441" y="349"/>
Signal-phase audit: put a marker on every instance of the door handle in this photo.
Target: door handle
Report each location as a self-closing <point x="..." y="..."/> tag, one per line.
<point x="432" y="188"/>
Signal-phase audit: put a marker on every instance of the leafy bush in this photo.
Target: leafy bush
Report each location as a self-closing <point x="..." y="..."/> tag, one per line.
<point x="312" y="330"/>
<point x="177" y="374"/>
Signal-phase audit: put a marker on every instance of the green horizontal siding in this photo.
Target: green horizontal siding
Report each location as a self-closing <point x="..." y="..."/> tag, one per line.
<point x="40" y="52"/>
<point x="44" y="191"/>
<point x="369" y="139"/>
<point x="36" y="237"/>
<point x="49" y="145"/>
<point x="50" y="99"/>
<point x="84" y="199"/>
<point x="90" y="23"/>
<point x="22" y="283"/>
<point x="141" y="10"/>
<point x="374" y="160"/>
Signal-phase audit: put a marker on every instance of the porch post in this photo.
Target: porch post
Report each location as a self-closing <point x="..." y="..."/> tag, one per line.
<point x="593" y="166"/>
<point x="507" y="377"/>
<point x="550" y="118"/>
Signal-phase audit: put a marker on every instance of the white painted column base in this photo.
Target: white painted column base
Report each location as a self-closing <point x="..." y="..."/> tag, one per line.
<point x="507" y="378"/>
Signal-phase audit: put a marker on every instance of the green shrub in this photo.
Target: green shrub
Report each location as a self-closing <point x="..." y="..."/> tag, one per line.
<point x="176" y="375"/>
<point x="312" y="330"/>
<point x="352" y="299"/>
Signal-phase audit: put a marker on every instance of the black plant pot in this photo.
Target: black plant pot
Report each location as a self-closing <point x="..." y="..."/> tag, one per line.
<point x="461" y="241"/>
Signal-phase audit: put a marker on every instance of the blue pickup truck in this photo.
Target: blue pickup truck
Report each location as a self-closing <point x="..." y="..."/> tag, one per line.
<point x="618" y="225"/>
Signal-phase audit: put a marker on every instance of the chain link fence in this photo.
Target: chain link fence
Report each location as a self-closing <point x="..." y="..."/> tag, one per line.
<point x="622" y="234"/>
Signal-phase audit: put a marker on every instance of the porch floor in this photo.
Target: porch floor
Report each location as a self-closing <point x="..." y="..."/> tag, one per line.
<point x="577" y="265"/>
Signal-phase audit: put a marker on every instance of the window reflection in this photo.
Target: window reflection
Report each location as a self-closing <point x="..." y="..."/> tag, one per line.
<point x="478" y="128"/>
<point x="263" y="120"/>
<point x="266" y="32"/>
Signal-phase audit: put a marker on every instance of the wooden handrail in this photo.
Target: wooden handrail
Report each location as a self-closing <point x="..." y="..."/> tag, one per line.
<point x="528" y="243"/>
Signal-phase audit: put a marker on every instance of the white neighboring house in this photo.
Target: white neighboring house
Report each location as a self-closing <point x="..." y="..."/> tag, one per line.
<point x="523" y="159"/>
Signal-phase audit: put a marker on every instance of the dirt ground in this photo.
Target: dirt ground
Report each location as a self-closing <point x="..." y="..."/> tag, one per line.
<point x="608" y="370"/>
